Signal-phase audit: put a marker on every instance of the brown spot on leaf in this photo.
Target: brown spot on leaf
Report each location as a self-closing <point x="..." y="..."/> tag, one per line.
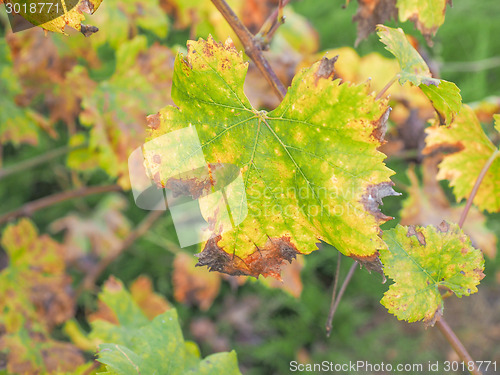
<point x="157" y="159"/>
<point x="154" y="121"/>
<point x="207" y="50"/>
<point x="413" y="232"/>
<point x="446" y="148"/>
<point x="371" y="263"/>
<point x="480" y="273"/>
<point x="86" y="6"/>
<point x="381" y="126"/>
<point x="265" y="261"/>
<point x="226" y="64"/>
<point x="372" y="199"/>
<point x="444" y="227"/>
<point x="216" y="259"/>
<point x="326" y="68"/>
<point x="437" y="315"/>
<point x="157" y="180"/>
<point x="194" y="187"/>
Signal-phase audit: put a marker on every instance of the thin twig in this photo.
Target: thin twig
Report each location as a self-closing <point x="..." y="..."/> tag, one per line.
<point x="29" y="208"/>
<point x="328" y="325"/>
<point x="457" y="345"/>
<point x="91" y="278"/>
<point x="33" y="162"/>
<point x="471" y="66"/>
<point x="479" y="180"/>
<point x="342" y="290"/>
<point x="251" y="47"/>
<point x="445" y="329"/>
<point x="386" y="87"/>
<point x="272" y="23"/>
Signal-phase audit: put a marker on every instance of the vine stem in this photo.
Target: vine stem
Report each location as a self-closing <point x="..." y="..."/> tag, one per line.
<point x="29" y="208"/>
<point x="251" y="47"/>
<point x="329" y="320"/>
<point x="334" y="306"/>
<point x="37" y="160"/>
<point x="386" y="87"/>
<point x="274" y="20"/>
<point x="479" y="180"/>
<point x="457" y="345"/>
<point x="445" y="329"/>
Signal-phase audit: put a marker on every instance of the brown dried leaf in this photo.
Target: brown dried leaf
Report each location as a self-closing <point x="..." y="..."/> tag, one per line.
<point x="151" y="303"/>
<point x="266" y="261"/>
<point x="194" y="286"/>
<point x="371" y="13"/>
<point x="291" y="280"/>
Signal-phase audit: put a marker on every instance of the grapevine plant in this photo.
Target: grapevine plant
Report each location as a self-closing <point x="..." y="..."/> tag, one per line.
<point x="311" y="164"/>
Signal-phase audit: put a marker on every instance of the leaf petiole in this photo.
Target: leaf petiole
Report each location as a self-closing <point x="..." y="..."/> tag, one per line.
<point x="475" y="189"/>
<point x="386" y="87"/>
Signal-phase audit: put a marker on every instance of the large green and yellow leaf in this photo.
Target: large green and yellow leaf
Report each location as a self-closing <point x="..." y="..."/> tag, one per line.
<point x="468" y="150"/>
<point x="424" y="260"/>
<point x="444" y="95"/>
<point x="311" y="169"/>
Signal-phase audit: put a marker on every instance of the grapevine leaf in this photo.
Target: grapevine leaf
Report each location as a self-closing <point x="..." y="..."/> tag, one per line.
<point x="62" y="13"/>
<point x="486" y="108"/>
<point x="151" y="303"/>
<point x="123" y="17"/>
<point x="17" y="124"/>
<point x="311" y="168"/>
<point x="421" y="260"/>
<point x="133" y="344"/>
<point x="99" y="234"/>
<point x="370" y="13"/>
<point x="496" y="117"/>
<point x="413" y="66"/>
<point x="444" y="95"/>
<point x="35" y="295"/>
<point x="445" y="98"/>
<point x="470" y="150"/>
<point x="427" y="15"/>
<point x="115" y="112"/>
<point x="427" y="204"/>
